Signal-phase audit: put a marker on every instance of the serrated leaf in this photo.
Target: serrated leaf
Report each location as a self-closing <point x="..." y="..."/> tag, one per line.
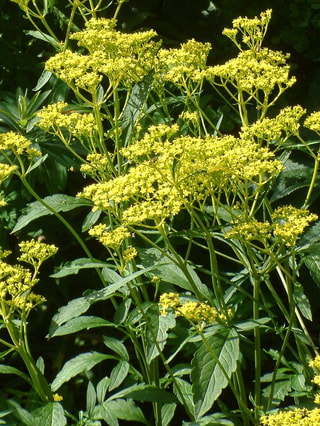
<point x="79" y="364"/>
<point x="80" y="323"/>
<point x="73" y="267"/>
<point x="52" y="414"/>
<point x="280" y="391"/>
<point x="167" y="413"/>
<point x="7" y="369"/>
<point x="210" y="373"/>
<point x="160" y="325"/>
<point x="302" y="301"/>
<point x="126" y="410"/>
<point x="186" y="390"/>
<point x="57" y="202"/>
<point x="143" y="392"/>
<point x="118" y="374"/>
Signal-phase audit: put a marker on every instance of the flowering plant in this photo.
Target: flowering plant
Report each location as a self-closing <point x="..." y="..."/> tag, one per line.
<point x="197" y="258"/>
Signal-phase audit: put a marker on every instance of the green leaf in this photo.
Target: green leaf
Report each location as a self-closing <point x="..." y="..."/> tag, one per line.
<point x="42" y="36"/>
<point x="7" y="369"/>
<point x="251" y="324"/>
<point x="25" y="417"/>
<point x="302" y="301"/>
<point x="73" y="309"/>
<point x="43" y="80"/>
<point x="186" y="389"/>
<point x="312" y="261"/>
<point x="295" y="176"/>
<point x="280" y="391"/>
<point x="80" y="323"/>
<point x="143" y="392"/>
<point x="118" y="374"/>
<point x="90" y="220"/>
<point x="91" y="398"/>
<point x="171" y="273"/>
<point x="211" y="371"/>
<point x="167" y="413"/>
<point x="52" y="414"/>
<point x="79" y="364"/>
<point x="74" y="266"/>
<point x="126" y="410"/>
<point x="134" y="106"/>
<point x="57" y="202"/>
<point x="116" y="346"/>
<point x="160" y="325"/>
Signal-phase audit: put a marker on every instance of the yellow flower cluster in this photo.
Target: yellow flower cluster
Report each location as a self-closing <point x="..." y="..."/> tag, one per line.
<point x="288" y="223"/>
<point x="253" y="30"/>
<point x="180" y="65"/>
<point x="5" y="171"/>
<point x="175" y="171"/>
<point x="252" y="71"/>
<point x="15" y="290"/>
<point x="120" y="57"/>
<point x="313" y="122"/>
<point x="278" y="129"/>
<point x="129" y="254"/>
<point x="112" y="239"/>
<point x="16" y="282"/>
<point x="55" y="116"/>
<point x="35" y="252"/>
<point x="18" y="144"/>
<point x="296" y="417"/>
<point x="200" y="313"/>
<point x="96" y="166"/>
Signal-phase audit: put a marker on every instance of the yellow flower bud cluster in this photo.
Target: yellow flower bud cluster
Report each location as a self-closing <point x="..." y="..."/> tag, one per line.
<point x="96" y="166"/>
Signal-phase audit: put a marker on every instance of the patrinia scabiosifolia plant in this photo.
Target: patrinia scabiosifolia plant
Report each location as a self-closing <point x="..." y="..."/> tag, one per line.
<point x="202" y="260"/>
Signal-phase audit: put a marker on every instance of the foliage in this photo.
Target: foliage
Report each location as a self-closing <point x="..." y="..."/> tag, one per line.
<point x="191" y="230"/>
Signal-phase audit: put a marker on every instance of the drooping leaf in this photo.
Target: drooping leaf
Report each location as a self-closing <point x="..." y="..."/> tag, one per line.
<point x="212" y="369"/>
<point x="57" y="202"/>
<point x="7" y="369"/>
<point x="42" y="36"/>
<point x="157" y="332"/>
<point x="80" y="323"/>
<point x="52" y="414"/>
<point x="79" y="364"/>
